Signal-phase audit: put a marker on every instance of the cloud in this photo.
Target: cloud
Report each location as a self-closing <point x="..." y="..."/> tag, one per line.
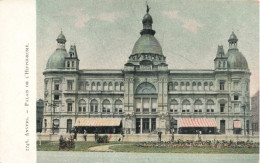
<point x="82" y="19"/>
<point x="189" y="24"/>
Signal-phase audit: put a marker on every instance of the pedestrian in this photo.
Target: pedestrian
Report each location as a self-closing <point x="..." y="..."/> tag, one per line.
<point x="173" y="135"/>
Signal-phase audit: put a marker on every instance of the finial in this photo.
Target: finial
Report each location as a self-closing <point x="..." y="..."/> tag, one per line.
<point x="147" y="8"/>
<point x="61" y="30"/>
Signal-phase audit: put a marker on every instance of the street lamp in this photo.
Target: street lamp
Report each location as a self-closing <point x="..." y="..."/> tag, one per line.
<point x="52" y="105"/>
<point x="244" y="107"/>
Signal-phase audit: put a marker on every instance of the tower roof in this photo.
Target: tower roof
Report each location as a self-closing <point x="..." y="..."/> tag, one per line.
<point x="61" y="38"/>
<point x="232" y="37"/>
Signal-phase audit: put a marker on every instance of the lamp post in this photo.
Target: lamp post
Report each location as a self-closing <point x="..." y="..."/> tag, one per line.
<point x="52" y="105"/>
<point x="244" y="107"/>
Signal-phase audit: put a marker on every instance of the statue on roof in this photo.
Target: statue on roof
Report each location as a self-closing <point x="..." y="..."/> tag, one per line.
<point x="147" y="8"/>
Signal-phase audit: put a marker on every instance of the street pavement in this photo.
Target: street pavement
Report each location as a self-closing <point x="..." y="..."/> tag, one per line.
<point x="118" y="157"/>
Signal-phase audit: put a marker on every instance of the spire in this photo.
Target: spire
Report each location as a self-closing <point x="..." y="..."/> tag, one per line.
<point x="232" y="41"/>
<point x="147" y="22"/>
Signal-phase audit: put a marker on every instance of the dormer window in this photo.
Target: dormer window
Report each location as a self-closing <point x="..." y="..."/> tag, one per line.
<point x="68" y="64"/>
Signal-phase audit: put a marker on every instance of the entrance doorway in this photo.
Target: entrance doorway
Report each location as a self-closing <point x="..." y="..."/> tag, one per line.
<point x="138" y="125"/>
<point x="145" y="125"/>
<point x="222" y="126"/>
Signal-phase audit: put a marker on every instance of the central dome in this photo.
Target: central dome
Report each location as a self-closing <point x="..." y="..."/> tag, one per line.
<point x="147" y="44"/>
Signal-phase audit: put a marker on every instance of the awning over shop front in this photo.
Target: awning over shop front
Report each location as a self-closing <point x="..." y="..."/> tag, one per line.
<point x="197" y="122"/>
<point x="97" y="122"/>
<point x="237" y="124"/>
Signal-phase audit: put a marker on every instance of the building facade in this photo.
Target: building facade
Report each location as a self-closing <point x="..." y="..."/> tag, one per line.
<point x="145" y="96"/>
<point x="255" y="112"/>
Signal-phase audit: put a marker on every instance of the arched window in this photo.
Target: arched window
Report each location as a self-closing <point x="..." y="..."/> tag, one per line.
<point x="188" y="86"/>
<point x="211" y="86"/>
<point x="106" y="106"/>
<point x="198" y="106"/>
<point x="206" y="86"/>
<point x="174" y="106"/>
<point x="110" y="86"/>
<point x="182" y="86"/>
<point x="210" y="106"/>
<point x="118" y="106"/>
<point x="69" y="125"/>
<point x="68" y="64"/>
<point x="94" y="106"/>
<point x="194" y="86"/>
<point x="93" y="86"/>
<point x="87" y="86"/>
<point x="122" y="86"/>
<point x="176" y="85"/>
<point x="81" y="86"/>
<point x="105" y="86"/>
<point x="117" y="86"/>
<point x="82" y="106"/>
<point x="199" y="86"/>
<point x="186" y="106"/>
<point x="170" y="86"/>
<point x="99" y="86"/>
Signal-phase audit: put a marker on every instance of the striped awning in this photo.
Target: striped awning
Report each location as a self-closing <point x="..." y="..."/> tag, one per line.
<point x="97" y="122"/>
<point x="197" y="122"/>
<point x="237" y="124"/>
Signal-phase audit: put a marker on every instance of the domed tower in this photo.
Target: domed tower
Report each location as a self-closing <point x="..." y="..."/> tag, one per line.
<point x="236" y="59"/>
<point x="147" y="52"/>
<point x="57" y="59"/>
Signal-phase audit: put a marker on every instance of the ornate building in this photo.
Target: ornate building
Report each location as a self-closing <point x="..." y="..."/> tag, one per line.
<point x="146" y="96"/>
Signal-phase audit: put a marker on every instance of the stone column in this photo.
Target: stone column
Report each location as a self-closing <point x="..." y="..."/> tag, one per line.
<point x="150" y="124"/>
<point x="141" y="125"/>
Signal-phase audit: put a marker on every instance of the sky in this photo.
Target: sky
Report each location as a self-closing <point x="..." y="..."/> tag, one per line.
<point x="104" y="32"/>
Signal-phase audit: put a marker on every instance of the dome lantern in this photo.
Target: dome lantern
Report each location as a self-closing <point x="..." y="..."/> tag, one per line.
<point x="232" y="41"/>
<point x="147" y="23"/>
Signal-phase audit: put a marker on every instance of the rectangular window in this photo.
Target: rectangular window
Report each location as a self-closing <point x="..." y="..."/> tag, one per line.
<point x="145" y="110"/>
<point x="153" y="124"/>
<point x="56" y="87"/>
<point x="200" y="110"/>
<point x="92" y="108"/>
<point x="176" y="111"/>
<point x="116" y="110"/>
<point x="56" y="97"/>
<point x="120" y="110"/>
<point x="222" y="85"/>
<point x="207" y="110"/>
<point x="108" y="110"/>
<point x="69" y="85"/>
<point x="153" y="110"/>
<point x="69" y="107"/>
<point x="183" y="111"/>
<point x="84" y="108"/>
<point x="171" y="110"/>
<point x="80" y="109"/>
<point x="104" y="110"/>
<point x="236" y="97"/>
<point x="138" y="110"/>
<point x="96" y="108"/>
<point x="222" y="108"/>
<point x="212" y="110"/>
